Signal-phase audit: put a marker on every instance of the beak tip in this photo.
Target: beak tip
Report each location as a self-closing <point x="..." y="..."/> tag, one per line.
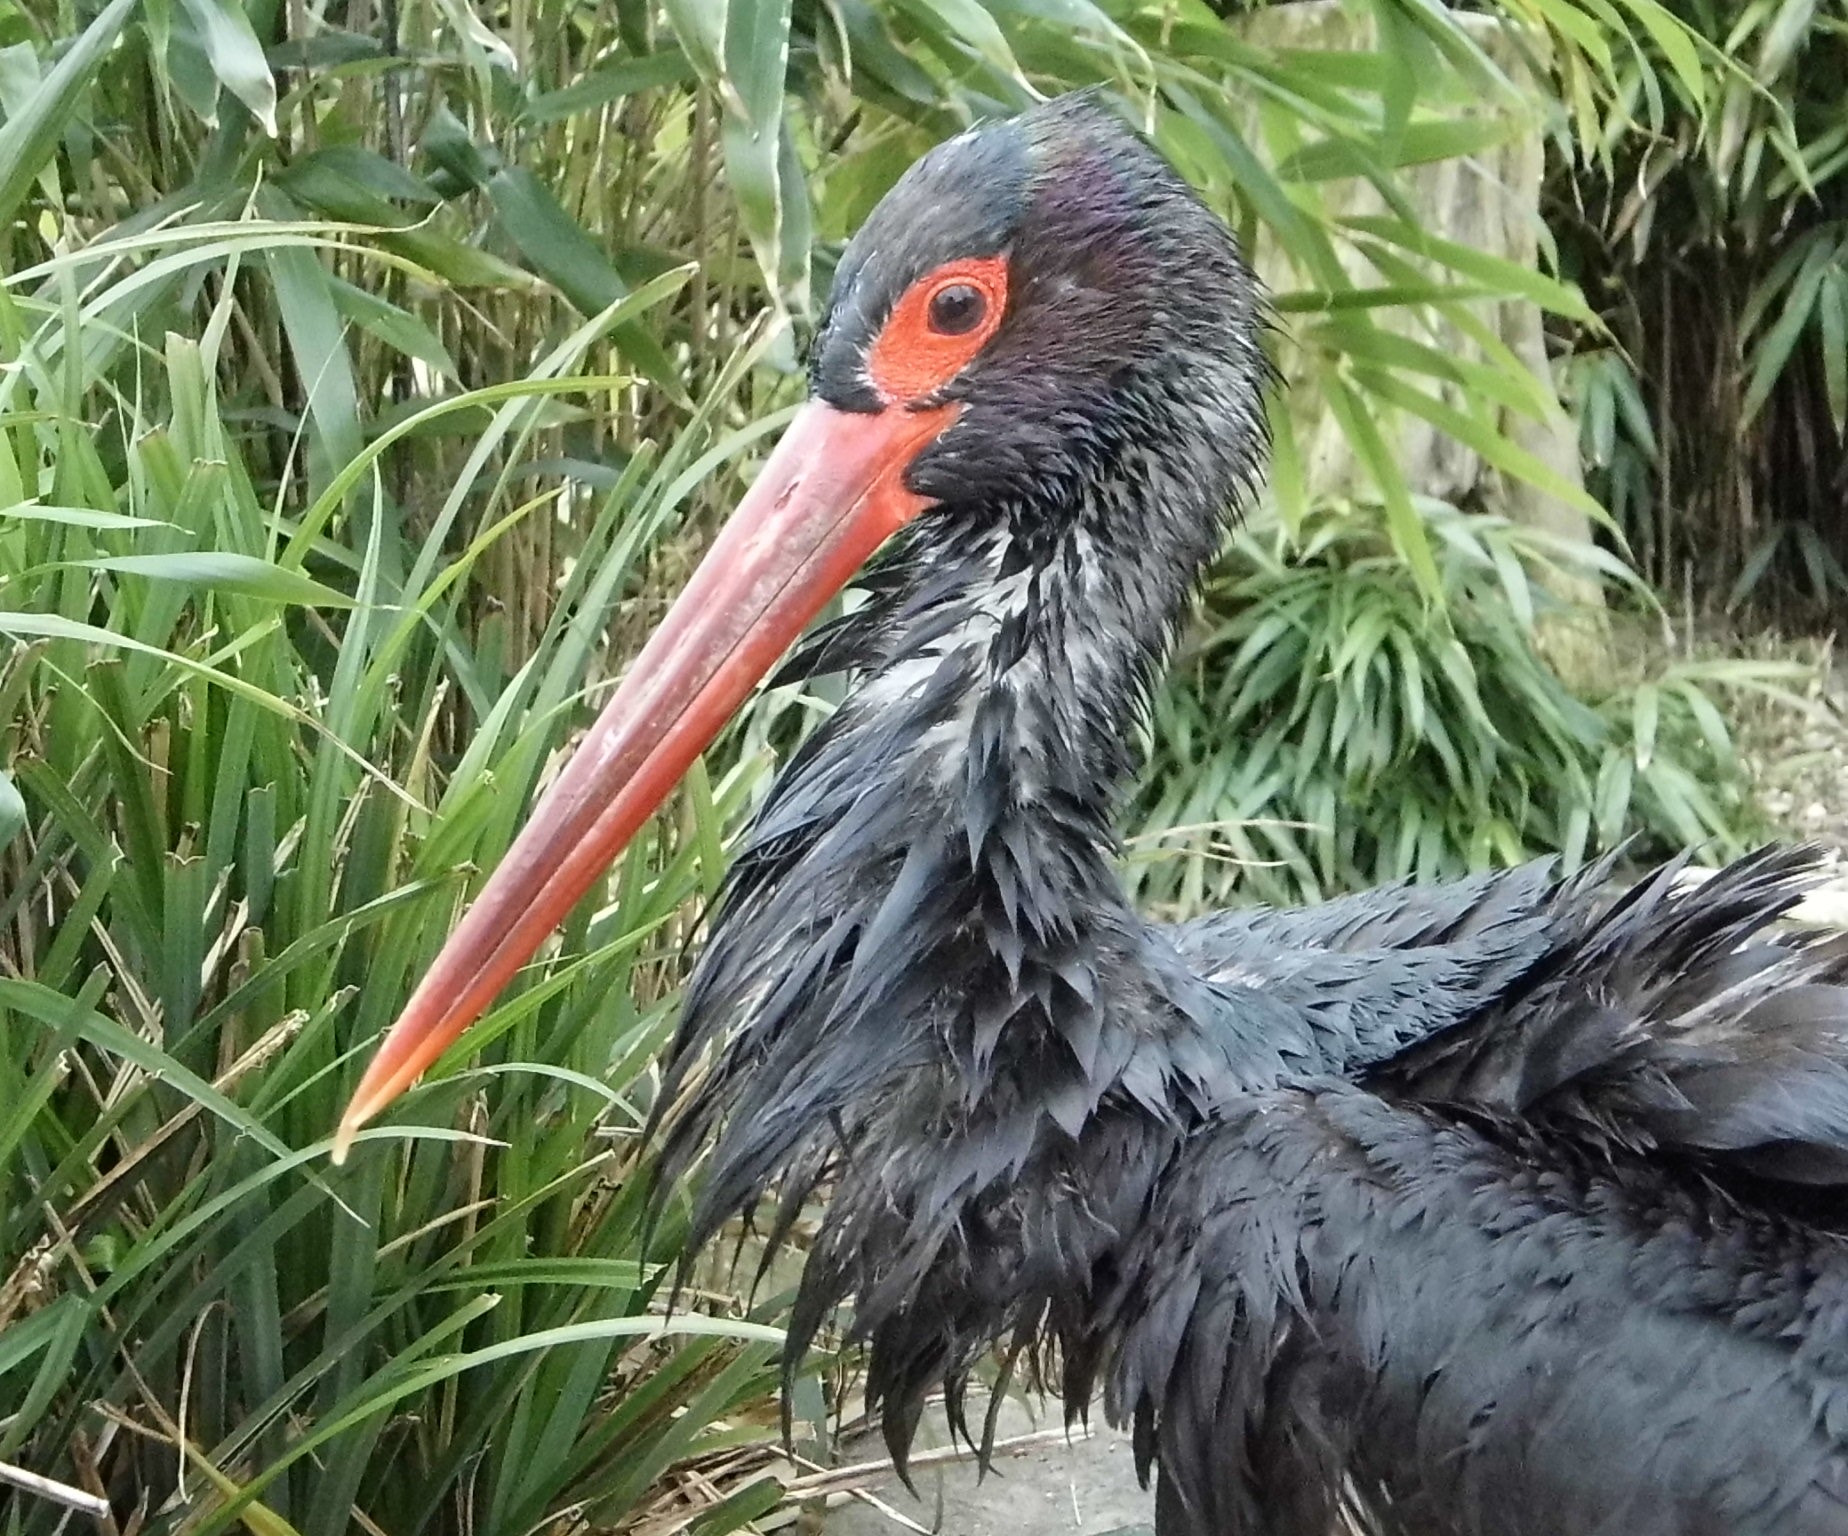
<point x="832" y="492"/>
<point x="343" y="1138"/>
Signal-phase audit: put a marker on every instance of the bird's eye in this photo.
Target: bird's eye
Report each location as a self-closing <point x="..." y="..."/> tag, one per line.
<point x="937" y="327"/>
<point x="957" y="309"/>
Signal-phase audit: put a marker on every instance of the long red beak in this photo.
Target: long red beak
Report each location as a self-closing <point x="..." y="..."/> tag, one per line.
<point x="832" y="493"/>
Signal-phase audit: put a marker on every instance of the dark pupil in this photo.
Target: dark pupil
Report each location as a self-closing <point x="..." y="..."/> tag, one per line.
<point x="956" y="310"/>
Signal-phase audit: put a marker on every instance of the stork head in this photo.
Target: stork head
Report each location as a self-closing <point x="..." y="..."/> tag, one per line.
<point x="1034" y="302"/>
<point x="1043" y="289"/>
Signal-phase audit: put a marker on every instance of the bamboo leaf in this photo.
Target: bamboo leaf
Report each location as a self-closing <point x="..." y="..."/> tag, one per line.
<point x="1419" y="143"/>
<point x="969" y="23"/>
<point x="612" y="81"/>
<point x="1494" y="446"/>
<point x="38" y="1002"/>
<point x="558" y="247"/>
<point x="1646" y="711"/>
<point x="1369" y="445"/>
<point x="756" y="59"/>
<point x="1832" y="314"/>
<point x="1505" y="276"/>
<point x="1773" y="350"/>
<point x="700" y="25"/>
<point x="1679" y="45"/>
<point x="237" y="57"/>
<point x="218" y="571"/>
<point x="78" y="517"/>
<point x="29" y="136"/>
<point x="12" y="810"/>
<point x="395" y="327"/>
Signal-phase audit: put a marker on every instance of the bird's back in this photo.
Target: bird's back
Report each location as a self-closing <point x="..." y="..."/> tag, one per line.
<point x="1568" y="1263"/>
<point x="1336" y="1299"/>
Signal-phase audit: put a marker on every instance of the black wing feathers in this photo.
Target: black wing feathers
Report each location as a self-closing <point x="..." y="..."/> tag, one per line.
<point x="1338" y="1301"/>
<point x="1536" y="1272"/>
<point x="1468" y="1210"/>
<point x="1672" y="1020"/>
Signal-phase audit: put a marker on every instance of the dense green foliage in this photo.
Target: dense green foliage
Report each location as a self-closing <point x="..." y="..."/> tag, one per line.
<point x="1378" y="736"/>
<point x="238" y="848"/>
<point x="1715" y="252"/>
<point x="366" y="377"/>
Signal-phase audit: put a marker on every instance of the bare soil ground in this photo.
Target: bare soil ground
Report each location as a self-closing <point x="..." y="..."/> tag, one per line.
<point x="1797" y="760"/>
<point x="1043" y="1483"/>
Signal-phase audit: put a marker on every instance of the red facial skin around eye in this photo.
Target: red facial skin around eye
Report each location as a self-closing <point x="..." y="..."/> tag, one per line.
<point x="909" y="359"/>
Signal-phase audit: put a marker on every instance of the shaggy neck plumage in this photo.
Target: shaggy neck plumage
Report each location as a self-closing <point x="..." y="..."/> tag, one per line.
<point x="925" y="973"/>
<point x="935" y="866"/>
<point x="924" y="969"/>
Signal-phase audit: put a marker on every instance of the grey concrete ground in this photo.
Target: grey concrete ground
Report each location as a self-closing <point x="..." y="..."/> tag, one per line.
<point x="1086" y="1487"/>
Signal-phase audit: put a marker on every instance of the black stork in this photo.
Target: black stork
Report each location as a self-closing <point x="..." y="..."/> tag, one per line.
<point x="1486" y="1209"/>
